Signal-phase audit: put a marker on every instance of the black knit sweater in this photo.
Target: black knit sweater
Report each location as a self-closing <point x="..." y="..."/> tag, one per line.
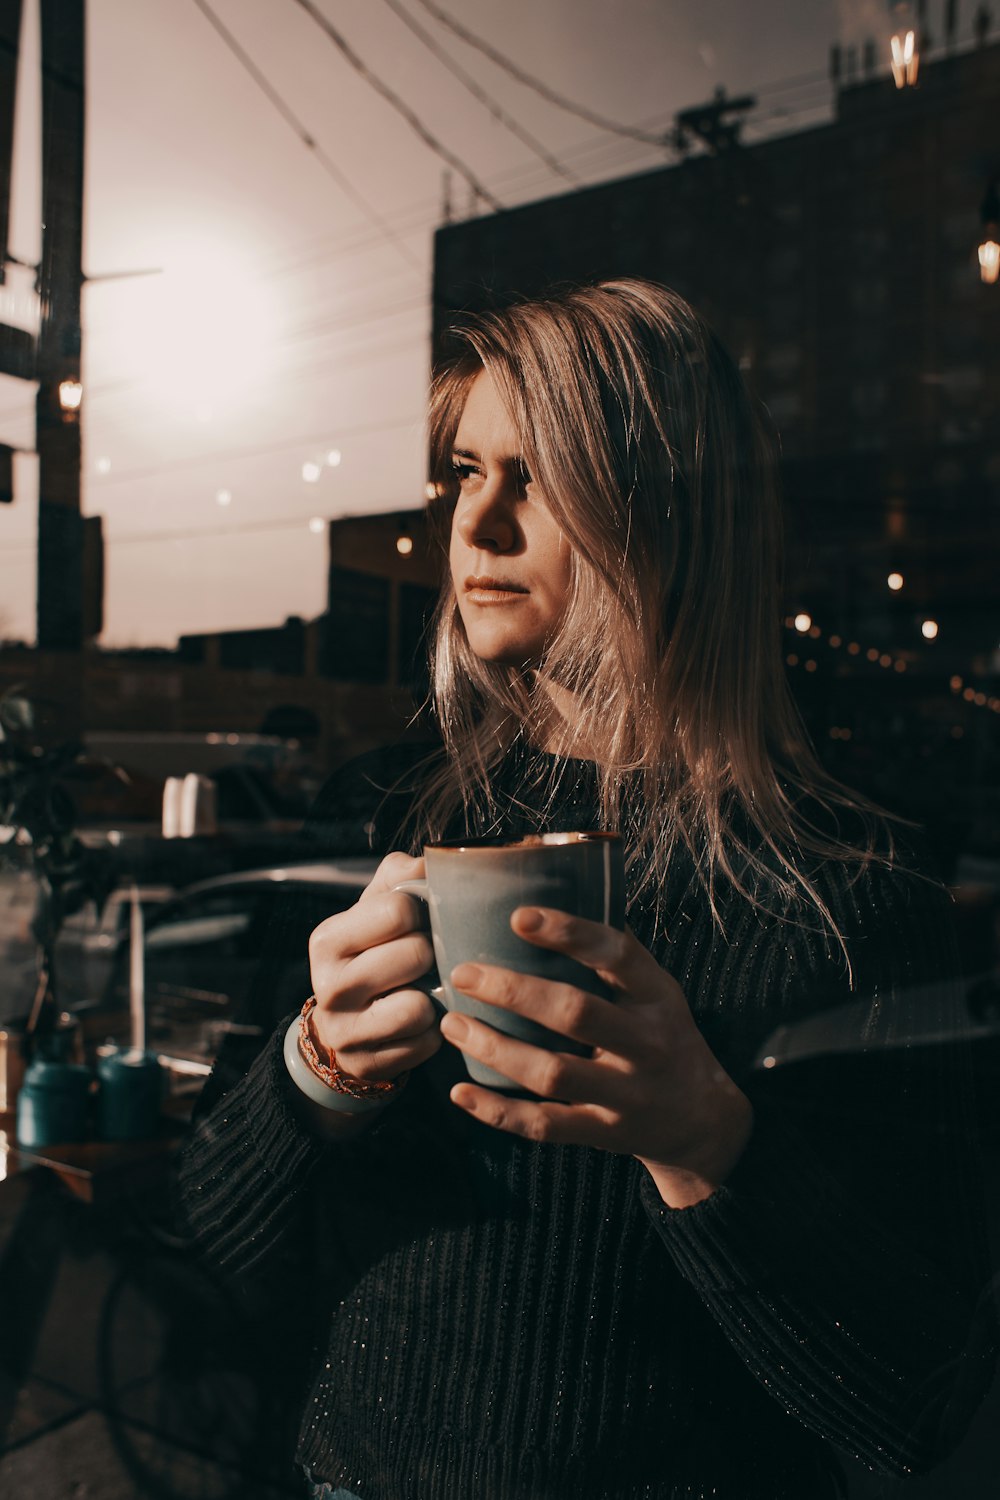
<point x="500" y="1319"/>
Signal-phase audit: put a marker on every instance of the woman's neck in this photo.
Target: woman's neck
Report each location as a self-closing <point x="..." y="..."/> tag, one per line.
<point x="561" y="729"/>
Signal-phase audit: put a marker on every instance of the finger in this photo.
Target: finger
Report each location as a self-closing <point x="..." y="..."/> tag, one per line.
<point x="377" y="918"/>
<point x="353" y="984"/>
<point x="389" y="1062"/>
<point x="380" y="971"/>
<point x="549" y="1074"/>
<point x="546" y="1121"/>
<point x="563" y="1008"/>
<point x="616" y="955"/>
<point x="395" y="868"/>
<point x="391" y="1018"/>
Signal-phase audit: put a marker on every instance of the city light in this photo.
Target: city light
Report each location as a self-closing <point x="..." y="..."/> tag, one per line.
<point x="311" y="473"/>
<point x="803" y="623"/>
<point x="904" y="59"/>
<point x="929" y="629"/>
<point x="895" y="582"/>
<point x="70" y="395"/>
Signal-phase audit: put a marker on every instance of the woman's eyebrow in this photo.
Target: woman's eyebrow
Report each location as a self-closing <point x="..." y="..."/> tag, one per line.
<point x="465" y="453"/>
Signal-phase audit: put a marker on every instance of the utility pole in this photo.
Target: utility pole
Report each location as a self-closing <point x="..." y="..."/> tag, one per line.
<point x="61" y="527"/>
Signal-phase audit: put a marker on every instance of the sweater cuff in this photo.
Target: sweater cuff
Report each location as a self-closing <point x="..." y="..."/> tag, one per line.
<point x="285" y="1147"/>
<point x="762" y="1221"/>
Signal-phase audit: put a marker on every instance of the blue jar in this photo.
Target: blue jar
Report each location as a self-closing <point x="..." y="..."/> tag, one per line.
<point x="52" y="1105"/>
<point x="132" y="1085"/>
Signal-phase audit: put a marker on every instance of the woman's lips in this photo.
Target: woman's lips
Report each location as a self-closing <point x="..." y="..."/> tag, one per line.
<point x="493" y="591"/>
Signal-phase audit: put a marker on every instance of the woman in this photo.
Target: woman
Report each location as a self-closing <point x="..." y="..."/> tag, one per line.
<point x="670" y="1273"/>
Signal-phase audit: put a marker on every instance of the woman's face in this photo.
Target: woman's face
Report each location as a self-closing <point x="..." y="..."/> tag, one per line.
<point x="510" y="563"/>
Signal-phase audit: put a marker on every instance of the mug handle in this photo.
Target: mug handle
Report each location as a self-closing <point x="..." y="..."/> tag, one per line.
<point x="431" y="981"/>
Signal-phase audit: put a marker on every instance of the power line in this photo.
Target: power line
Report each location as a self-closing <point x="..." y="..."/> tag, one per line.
<point x="398" y="104"/>
<point x="307" y="139"/>
<point x="246" y="528"/>
<point x="478" y="92"/>
<point x="559" y="100"/>
<point x="224" y="455"/>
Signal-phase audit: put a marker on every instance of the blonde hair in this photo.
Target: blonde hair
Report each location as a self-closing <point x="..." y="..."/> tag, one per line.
<point x="662" y="473"/>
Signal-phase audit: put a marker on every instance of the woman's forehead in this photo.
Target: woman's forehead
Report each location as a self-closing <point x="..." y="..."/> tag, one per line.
<point x="486" y="425"/>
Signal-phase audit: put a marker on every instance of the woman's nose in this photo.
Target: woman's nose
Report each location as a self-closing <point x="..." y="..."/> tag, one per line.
<point x="484" y="521"/>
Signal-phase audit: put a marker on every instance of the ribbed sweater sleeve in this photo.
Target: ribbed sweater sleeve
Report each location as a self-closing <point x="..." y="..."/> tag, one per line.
<point x="844" y="1259"/>
<point x="241" y="1178"/>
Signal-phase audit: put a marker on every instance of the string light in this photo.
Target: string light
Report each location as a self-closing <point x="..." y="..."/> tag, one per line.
<point x="884" y="659"/>
<point x="317" y="525"/>
<point x="311" y="473"/>
<point x="802" y="623"/>
<point x="223" y="497"/>
<point x="103" y="466"/>
<point x="333" y="458"/>
<point x="895" y="582"/>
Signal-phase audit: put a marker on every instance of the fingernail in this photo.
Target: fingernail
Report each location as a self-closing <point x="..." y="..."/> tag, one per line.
<point x="454" y="1027"/>
<point x="529" y="919"/>
<point x="466" y="976"/>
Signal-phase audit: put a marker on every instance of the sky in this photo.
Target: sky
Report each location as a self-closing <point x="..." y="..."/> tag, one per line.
<point x="285" y="320"/>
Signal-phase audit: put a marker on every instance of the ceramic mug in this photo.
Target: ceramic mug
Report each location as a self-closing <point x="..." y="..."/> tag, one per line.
<point x="471" y="888"/>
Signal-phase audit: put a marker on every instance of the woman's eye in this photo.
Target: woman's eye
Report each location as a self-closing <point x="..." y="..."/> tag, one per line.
<point x="463" y="471"/>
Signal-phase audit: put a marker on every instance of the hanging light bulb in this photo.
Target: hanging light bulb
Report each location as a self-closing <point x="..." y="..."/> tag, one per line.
<point x="404" y="541"/>
<point x="989" y="245"/>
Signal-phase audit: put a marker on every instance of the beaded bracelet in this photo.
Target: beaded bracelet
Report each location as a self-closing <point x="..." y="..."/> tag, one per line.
<point x="326" y="1083"/>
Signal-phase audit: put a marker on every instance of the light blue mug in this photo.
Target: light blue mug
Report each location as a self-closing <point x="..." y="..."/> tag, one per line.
<point x="471" y="888"/>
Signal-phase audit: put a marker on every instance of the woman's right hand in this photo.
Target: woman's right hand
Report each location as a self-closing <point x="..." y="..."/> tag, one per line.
<point x="364" y="963"/>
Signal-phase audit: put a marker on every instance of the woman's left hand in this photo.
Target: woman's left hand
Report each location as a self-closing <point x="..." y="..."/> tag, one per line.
<point x="652" y="1088"/>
